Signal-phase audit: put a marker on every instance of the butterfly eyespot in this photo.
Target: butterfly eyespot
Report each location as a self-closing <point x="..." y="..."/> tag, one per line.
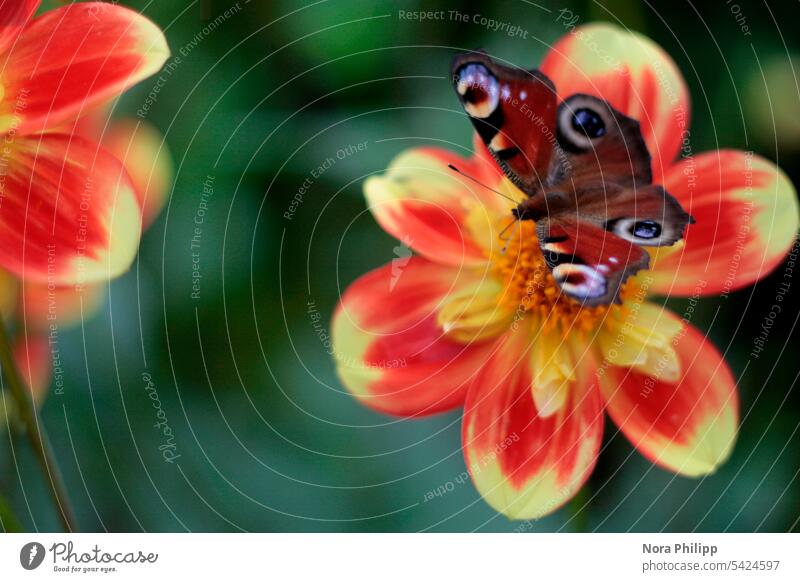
<point x="479" y="90"/>
<point x="648" y="229"/>
<point x="582" y="120"/>
<point x="642" y="232"/>
<point x="589" y="122"/>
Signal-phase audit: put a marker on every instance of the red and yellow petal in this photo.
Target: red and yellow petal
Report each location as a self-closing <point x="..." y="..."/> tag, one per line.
<point x="746" y="214"/>
<point x="14" y="15"/>
<point x="73" y="58"/>
<point x="524" y="464"/>
<point x="34" y="361"/>
<point x="65" y="306"/>
<point x="141" y="147"/>
<point x="70" y="214"/>
<point x="143" y="151"/>
<point x="435" y="211"/>
<point x="91" y="126"/>
<point x="641" y="335"/>
<point x="9" y="294"/>
<point x="688" y="426"/>
<point x="632" y="73"/>
<point x="391" y="352"/>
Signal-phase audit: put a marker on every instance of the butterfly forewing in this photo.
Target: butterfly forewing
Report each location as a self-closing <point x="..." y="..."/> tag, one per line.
<point x="514" y="112"/>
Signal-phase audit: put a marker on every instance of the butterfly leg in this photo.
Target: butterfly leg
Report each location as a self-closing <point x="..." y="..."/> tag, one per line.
<point x="505" y="230"/>
<point x="510" y="238"/>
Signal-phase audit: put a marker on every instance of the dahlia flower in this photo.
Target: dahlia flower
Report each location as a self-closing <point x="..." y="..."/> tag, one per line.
<point x="475" y="320"/>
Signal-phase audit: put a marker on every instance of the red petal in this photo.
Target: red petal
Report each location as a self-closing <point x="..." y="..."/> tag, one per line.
<point x="689" y="426"/>
<point x="389" y="350"/>
<point x="526" y="466"/>
<point x="34" y="361"/>
<point x="426" y="205"/>
<point x="69" y="213"/>
<point x="73" y="58"/>
<point x="143" y="151"/>
<point x="747" y="217"/>
<point x="92" y="126"/>
<point x="633" y="74"/>
<point x="14" y="15"/>
<point x="67" y="305"/>
<point x="140" y="147"/>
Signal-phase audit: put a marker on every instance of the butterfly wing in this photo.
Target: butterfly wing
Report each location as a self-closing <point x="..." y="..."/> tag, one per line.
<point x="588" y="263"/>
<point x="593" y="243"/>
<point x="590" y="162"/>
<point x="646" y="216"/>
<point x="593" y="222"/>
<point x="600" y="143"/>
<point x="514" y="113"/>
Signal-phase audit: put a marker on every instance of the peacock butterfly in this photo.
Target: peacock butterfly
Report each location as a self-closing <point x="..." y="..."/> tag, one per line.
<point x="585" y="169"/>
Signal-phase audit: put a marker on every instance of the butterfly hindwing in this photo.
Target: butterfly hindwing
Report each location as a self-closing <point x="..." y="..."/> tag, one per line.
<point x="646" y="216"/>
<point x="588" y="263"/>
<point x="514" y="113"/>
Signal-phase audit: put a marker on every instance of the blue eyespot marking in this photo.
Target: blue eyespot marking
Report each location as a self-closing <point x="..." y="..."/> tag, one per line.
<point x="648" y="229"/>
<point x="589" y="123"/>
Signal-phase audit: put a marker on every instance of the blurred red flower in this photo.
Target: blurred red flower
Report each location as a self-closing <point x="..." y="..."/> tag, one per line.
<point x="75" y="189"/>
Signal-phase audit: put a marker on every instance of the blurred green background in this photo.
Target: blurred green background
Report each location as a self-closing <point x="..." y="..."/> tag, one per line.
<point x="267" y="437"/>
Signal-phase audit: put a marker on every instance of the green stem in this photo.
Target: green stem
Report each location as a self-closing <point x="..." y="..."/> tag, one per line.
<point x="35" y="430"/>
<point x="8" y="521"/>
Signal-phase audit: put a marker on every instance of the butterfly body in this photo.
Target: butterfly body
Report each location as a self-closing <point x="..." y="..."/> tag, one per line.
<point x="584" y="168"/>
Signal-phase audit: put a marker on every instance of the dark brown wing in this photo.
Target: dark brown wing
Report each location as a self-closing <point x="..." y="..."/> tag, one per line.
<point x="514" y="112"/>
<point x="601" y="144"/>
<point x="647" y="216"/>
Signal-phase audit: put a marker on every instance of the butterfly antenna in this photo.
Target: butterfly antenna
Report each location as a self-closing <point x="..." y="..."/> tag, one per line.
<point x="468" y="177"/>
